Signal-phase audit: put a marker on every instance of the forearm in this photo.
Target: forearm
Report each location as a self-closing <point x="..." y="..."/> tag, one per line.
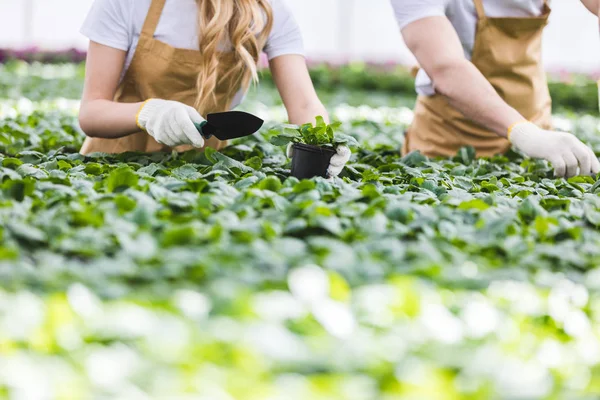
<point x="456" y="78"/>
<point x="469" y="92"/>
<point x="108" y="119"/>
<point x="306" y="113"/>
<point x="292" y="79"/>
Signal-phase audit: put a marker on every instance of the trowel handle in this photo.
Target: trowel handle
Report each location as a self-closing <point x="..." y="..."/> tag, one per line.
<point x="203" y="129"/>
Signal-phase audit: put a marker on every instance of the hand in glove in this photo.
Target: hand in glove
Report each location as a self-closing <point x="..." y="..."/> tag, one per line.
<point x="563" y="150"/>
<point x="170" y="122"/>
<point x="338" y="161"/>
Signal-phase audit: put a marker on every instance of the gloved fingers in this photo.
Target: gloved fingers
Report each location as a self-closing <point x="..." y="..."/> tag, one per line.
<point x="194" y="115"/>
<point x="175" y="135"/>
<point x="159" y="129"/>
<point x="339" y="161"/>
<point x="595" y="168"/>
<point x="344" y="153"/>
<point x="334" y="170"/>
<point x="289" y="151"/>
<point x="341" y="157"/>
<point x="559" y="166"/>
<point x="570" y="163"/>
<point x="189" y="130"/>
<point x="584" y="158"/>
<point x="594" y="163"/>
<point x="169" y="135"/>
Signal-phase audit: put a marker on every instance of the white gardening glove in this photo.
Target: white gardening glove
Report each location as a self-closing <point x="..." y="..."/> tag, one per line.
<point x="563" y="150"/>
<point x="170" y="122"/>
<point x="337" y="163"/>
<point x="339" y="160"/>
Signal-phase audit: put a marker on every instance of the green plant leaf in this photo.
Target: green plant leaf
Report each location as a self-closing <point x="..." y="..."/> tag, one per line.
<point x="254" y="163"/>
<point x="283" y="140"/>
<point x="120" y="179"/>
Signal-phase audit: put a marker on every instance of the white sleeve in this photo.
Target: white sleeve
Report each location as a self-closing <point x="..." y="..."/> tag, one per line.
<point x="409" y="11"/>
<point x="285" y="37"/>
<point x="109" y="22"/>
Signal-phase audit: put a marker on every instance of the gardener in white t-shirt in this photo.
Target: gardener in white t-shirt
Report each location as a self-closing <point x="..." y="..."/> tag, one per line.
<point x="149" y="78"/>
<point x="482" y="82"/>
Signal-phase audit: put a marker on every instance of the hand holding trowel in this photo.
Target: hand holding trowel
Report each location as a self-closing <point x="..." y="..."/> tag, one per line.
<point x="173" y="124"/>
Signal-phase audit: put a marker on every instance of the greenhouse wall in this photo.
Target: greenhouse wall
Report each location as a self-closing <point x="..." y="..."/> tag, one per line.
<point x="333" y="29"/>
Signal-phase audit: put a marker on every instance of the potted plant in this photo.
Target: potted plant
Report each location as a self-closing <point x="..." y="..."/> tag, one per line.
<point x="312" y="146"/>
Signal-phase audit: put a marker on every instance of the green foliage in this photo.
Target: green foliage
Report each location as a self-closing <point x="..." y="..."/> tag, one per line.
<point x="121" y="179"/>
<point x="217" y="275"/>
<point x="40" y="82"/>
<point x="319" y="134"/>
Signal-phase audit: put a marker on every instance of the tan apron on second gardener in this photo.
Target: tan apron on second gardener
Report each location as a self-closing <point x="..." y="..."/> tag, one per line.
<point x="158" y="70"/>
<point x="508" y="52"/>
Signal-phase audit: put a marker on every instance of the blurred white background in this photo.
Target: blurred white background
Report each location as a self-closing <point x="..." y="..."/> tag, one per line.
<point x="333" y="29"/>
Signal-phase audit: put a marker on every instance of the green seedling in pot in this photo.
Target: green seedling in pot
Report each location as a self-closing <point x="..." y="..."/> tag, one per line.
<point x="316" y="150"/>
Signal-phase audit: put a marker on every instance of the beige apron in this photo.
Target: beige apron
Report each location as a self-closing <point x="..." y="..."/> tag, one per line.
<point x="164" y="72"/>
<point x="508" y="52"/>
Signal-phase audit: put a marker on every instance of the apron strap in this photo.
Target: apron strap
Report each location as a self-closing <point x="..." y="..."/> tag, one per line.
<point x="154" y="13"/>
<point x="480" y="9"/>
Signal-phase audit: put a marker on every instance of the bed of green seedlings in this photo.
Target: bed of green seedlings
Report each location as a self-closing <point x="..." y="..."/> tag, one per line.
<point x="218" y="276"/>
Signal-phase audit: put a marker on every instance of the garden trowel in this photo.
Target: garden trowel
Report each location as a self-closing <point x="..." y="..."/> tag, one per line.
<point x="229" y="125"/>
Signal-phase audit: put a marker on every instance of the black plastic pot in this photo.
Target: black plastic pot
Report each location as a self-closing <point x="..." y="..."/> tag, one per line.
<point x="310" y="161"/>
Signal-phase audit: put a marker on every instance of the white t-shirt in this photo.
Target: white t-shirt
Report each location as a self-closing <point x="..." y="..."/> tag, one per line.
<point x="118" y="24"/>
<point x="463" y="16"/>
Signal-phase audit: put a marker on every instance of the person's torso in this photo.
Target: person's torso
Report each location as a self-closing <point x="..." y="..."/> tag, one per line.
<point x="178" y="27"/>
<point x="463" y="16"/>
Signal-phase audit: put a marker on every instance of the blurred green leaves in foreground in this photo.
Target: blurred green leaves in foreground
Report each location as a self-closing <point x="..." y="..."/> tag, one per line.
<point x="217" y="276"/>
